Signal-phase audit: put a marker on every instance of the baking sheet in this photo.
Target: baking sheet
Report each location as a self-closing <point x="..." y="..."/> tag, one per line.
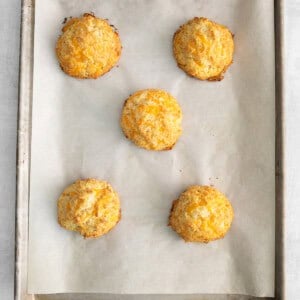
<point x="228" y="141"/>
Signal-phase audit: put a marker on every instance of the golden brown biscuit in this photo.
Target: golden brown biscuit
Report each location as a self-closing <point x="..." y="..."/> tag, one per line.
<point x="203" y="49"/>
<point x="89" y="206"/>
<point x="152" y="119"/>
<point x="88" y="47"/>
<point x="201" y="214"/>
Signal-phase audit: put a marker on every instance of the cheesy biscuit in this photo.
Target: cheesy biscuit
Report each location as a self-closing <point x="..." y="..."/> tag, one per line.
<point x="152" y="119"/>
<point x="88" y="47"/>
<point x="201" y="214"/>
<point x="89" y="206"/>
<point x="203" y="49"/>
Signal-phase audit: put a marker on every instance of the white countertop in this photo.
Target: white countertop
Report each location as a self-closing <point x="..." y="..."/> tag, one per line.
<point x="9" y="64"/>
<point x="292" y="148"/>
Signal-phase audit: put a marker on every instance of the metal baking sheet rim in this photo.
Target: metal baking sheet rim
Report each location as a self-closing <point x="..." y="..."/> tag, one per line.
<point x="24" y="141"/>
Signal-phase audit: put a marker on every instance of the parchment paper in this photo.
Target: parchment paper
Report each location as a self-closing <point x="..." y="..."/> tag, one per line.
<point x="227" y="141"/>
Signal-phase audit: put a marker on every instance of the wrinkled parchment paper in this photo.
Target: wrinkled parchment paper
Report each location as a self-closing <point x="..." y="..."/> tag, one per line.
<point x="227" y="141"/>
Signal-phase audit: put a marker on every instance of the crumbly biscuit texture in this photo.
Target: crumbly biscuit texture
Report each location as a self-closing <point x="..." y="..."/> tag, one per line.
<point x="89" y="206"/>
<point x="152" y="119"/>
<point x="88" y="47"/>
<point x="201" y="214"/>
<point x="203" y="49"/>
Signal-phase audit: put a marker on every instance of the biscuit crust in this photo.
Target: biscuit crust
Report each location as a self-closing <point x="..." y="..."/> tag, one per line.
<point x="88" y="47"/>
<point x="201" y="214"/>
<point x="203" y="49"/>
<point x="90" y="207"/>
<point x="152" y="118"/>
